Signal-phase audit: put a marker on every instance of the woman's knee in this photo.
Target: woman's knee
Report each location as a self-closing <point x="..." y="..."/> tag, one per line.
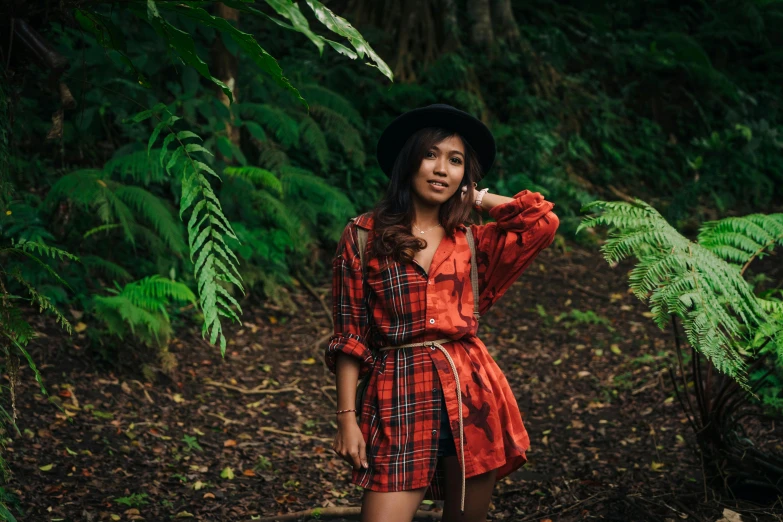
<point x="391" y="506"/>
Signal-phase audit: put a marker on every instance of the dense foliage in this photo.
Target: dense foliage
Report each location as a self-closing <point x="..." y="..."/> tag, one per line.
<point x="159" y="161"/>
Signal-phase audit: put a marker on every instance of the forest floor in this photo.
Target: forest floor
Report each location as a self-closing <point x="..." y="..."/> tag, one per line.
<point x="249" y="436"/>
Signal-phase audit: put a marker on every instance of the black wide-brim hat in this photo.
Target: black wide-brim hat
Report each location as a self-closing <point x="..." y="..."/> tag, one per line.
<point x="438" y="115"/>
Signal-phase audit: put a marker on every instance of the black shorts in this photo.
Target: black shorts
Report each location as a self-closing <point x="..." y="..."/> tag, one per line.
<point x="446" y="447"/>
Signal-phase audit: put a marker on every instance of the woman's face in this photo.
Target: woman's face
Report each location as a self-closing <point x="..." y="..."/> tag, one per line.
<point x="440" y="172"/>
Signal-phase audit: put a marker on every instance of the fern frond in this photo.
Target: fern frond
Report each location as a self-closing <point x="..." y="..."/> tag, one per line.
<point x="136" y="166"/>
<point x="260" y="178"/>
<point x="272" y="156"/>
<point x="276" y="120"/>
<point x="739" y="240"/>
<point x="679" y="277"/>
<point x="337" y="127"/>
<point x="153" y="292"/>
<point x="319" y="95"/>
<point x="316" y="199"/>
<point x="314" y="140"/>
<point x="90" y="189"/>
<point x="214" y="262"/>
<point x="43" y="303"/>
<point x="153" y="210"/>
<point x="99" y="265"/>
<point x="141" y="307"/>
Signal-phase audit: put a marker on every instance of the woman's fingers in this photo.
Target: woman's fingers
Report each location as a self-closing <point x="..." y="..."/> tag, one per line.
<point x="355" y="461"/>
<point x="363" y="455"/>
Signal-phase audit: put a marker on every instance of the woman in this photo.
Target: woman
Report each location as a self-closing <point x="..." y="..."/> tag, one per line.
<point x="438" y="419"/>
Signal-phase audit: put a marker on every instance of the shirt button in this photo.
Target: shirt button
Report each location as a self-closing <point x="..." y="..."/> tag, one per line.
<point x="432" y="321"/>
<point x="434" y="432"/>
<point x="434" y="390"/>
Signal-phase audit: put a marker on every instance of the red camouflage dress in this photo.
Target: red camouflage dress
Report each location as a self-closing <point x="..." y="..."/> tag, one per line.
<point x="400" y="414"/>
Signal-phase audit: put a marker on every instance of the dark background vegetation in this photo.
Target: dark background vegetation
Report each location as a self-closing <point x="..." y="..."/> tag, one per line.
<point x="675" y="103"/>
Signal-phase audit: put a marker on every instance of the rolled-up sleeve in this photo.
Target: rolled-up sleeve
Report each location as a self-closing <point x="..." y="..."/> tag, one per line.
<point x="348" y="305"/>
<point x="523" y="227"/>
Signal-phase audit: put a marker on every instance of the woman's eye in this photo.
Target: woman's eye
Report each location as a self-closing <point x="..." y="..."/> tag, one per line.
<point x="457" y="161"/>
<point x="429" y="154"/>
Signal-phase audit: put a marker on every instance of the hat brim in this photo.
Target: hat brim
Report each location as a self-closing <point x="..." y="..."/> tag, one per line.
<point x="470" y="128"/>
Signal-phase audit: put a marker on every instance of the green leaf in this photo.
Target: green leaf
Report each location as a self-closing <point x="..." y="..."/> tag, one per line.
<point x="341" y="26"/>
<point x="227" y="473"/>
<point x="182" y="43"/>
<point x="245" y="41"/>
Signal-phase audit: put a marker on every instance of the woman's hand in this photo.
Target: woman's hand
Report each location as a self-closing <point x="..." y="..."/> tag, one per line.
<point x="349" y="441"/>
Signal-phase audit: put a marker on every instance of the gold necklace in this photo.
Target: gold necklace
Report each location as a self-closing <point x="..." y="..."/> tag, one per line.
<point x="425" y="231"/>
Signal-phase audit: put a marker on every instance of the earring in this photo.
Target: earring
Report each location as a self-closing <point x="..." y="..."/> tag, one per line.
<point x="464" y="191"/>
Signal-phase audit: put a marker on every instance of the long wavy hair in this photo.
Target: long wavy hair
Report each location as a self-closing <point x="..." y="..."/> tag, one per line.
<point x="393" y="215"/>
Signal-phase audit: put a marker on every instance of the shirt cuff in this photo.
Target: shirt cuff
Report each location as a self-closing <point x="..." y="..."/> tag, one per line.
<point x="524" y="210"/>
<point x="349" y="344"/>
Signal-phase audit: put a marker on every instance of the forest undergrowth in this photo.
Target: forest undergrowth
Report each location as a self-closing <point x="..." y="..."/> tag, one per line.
<point x="247" y="437"/>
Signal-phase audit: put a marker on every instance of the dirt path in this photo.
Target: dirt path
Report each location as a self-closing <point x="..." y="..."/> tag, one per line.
<point x="608" y="439"/>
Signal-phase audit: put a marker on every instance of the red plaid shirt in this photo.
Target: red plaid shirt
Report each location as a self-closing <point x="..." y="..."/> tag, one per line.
<point x="400" y="414"/>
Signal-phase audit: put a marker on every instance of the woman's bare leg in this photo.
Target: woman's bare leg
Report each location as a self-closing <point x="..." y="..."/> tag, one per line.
<point x="478" y="493"/>
<point x="391" y="506"/>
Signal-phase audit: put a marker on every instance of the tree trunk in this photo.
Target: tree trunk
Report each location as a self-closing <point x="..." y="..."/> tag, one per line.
<point x="225" y="66"/>
<point x="481" y="31"/>
<point x="451" y="34"/>
<point x="505" y="24"/>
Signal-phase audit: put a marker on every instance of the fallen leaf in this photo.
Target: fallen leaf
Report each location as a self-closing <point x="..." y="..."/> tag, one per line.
<point x="177" y="398"/>
<point x="615" y="348"/>
<point x="183" y="514"/>
<point x="79" y="327"/>
<point x="198" y="485"/>
<point x="309" y="360"/>
<point x="249" y="473"/>
<point x="227" y="473"/>
<point x="47" y="467"/>
<point x="656" y="466"/>
<point x="730" y="516"/>
<point x="208" y="496"/>
<point x="229" y="443"/>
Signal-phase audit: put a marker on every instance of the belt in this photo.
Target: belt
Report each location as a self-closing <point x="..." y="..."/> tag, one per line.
<point x="439" y="345"/>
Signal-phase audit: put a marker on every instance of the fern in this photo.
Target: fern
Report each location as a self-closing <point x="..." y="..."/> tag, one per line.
<point x="136" y="166"/>
<point x="275" y="119"/>
<point x="140" y="307"/>
<point x="318" y="95"/>
<point x="260" y="178"/>
<point x="119" y="206"/>
<point x="214" y="262"/>
<point x="740" y="240"/>
<point x="311" y="198"/>
<point x="677" y="276"/>
<point x="99" y="265"/>
<point x="337" y="127"/>
<point x="314" y="140"/>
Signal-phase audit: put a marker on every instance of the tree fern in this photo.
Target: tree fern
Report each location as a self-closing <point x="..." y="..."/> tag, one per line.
<point x="677" y="276"/>
<point x="214" y="262"/>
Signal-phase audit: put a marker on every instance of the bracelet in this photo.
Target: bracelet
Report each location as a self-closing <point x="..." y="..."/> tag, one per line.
<point x="343" y="411"/>
<point x="479" y="198"/>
